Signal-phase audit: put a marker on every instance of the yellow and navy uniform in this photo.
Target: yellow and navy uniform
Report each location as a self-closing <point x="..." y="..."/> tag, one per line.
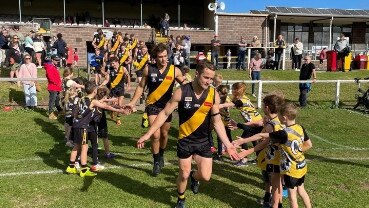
<point x="224" y="112"/>
<point x="262" y="155"/>
<point x="84" y="120"/>
<point x="100" y="41"/>
<point x="272" y="154"/>
<point x="194" y="122"/>
<point x="141" y="61"/>
<point x="247" y="109"/>
<point x="116" y="81"/>
<point x="160" y="85"/>
<point x="123" y="55"/>
<point x="290" y="140"/>
<point x="115" y="43"/>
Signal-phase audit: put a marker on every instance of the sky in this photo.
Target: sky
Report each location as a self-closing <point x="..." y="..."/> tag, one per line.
<point x="244" y="6"/>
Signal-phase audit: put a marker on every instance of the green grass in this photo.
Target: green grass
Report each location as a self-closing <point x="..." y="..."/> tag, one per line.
<point x="337" y="163"/>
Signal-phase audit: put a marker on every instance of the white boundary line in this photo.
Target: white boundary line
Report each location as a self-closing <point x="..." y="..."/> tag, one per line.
<point x="55" y="171"/>
<point x="335" y="144"/>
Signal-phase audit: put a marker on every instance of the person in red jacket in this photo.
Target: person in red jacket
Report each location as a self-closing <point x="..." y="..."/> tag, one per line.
<point x="54" y="85"/>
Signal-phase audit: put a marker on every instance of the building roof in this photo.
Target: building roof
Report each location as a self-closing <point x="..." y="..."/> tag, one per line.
<point x="299" y="11"/>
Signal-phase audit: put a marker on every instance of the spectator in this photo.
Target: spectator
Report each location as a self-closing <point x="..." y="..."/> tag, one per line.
<point x="185" y="27"/>
<point x="279" y="45"/>
<point x="29" y="70"/>
<point x="229" y="58"/>
<point x="178" y="56"/>
<point x="106" y="23"/>
<point x="186" y="43"/>
<point x="75" y="57"/>
<point x="60" y="47"/>
<point x="322" y="57"/>
<point x="39" y="47"/>
<point x="241" y="54"/>
<point x="255" y="67"/>
<point x="171" y="45"/>
<point x="255" y="43"/>
<point x="54" y="86"/>
<point x="4" y="45"/>
<point x="200" y="56"/>
<point x="215" y="46"/>
<point x="14" y="55"/>
<point x="343" y="49"/>
<point x="297" y="54"/>
<point x="28" y="44"/>
<point x="15" y="31"/>
<point x="307" y="71"/>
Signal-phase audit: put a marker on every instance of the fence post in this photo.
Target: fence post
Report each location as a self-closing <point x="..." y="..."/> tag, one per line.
<point x="88" y="67"/>
<point x="260" y="92"/>
<point x="248" y="58"/>
<point x="284" y="59"/>
<point x="337" y="100"/>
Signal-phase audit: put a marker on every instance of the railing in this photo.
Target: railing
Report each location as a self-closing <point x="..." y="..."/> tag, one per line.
<point x="261" y="82"/>
<point x="265" y="48"/>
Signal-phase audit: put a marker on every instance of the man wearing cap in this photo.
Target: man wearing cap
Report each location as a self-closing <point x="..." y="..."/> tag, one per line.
<point x="54" y="85"/>
<point x="215" y="43"/>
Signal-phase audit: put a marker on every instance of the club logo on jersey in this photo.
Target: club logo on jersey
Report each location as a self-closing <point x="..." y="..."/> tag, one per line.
<point x="153" y="77"/>
<point x="187" y="104"/>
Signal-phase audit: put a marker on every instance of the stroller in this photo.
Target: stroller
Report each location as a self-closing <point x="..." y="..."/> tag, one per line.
<point x="362" y="96"/>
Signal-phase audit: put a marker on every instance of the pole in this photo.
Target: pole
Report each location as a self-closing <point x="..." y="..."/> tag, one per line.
<point x="20" y="11"/>
<point x="284" y="59"/>
<point x="141" y="13"/>
<point x="216" y="21"/>
<point x="179" y="13"/>
<point x="260" y="93"/>
<point x="275" y="27"/>
<point x="337" y="100"/>
<point x="103" y="12"/>
<point x="248" y="58"/>
<point x="64" y="12"/>
<point x="330" y="34"/>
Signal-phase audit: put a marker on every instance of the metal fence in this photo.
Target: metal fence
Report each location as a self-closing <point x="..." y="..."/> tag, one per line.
<point x="336" y="96"/>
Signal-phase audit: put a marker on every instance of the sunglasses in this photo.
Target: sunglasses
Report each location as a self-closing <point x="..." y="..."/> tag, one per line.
<point x="28" y="58"/>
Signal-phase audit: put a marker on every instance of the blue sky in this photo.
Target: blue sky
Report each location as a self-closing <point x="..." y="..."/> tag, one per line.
<point x="243" y="6"/>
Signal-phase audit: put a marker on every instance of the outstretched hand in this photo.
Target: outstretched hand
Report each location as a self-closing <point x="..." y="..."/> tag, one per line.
<point x="232" y="124"/>
<point x="232" y="153"/>
<point x="141" y="141"/>
<point x="238" y="142"/>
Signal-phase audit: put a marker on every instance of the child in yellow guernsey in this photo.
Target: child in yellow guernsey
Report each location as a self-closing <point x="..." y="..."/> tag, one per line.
<point x="253" y="120"/>
<point x="293" y="142"/>
<point x="271" y="106"/>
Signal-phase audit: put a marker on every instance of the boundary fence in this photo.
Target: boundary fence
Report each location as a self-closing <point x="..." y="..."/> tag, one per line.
<point x="260" y="84"/>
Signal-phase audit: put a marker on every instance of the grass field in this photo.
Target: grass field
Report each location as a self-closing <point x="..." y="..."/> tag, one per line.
<point x="34" y="157"/>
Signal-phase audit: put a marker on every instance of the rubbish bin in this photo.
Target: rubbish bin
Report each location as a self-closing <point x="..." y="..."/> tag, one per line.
<point x="361" y="61"/>
<point x="331" y="60"/>
<point x="347" y="62"/>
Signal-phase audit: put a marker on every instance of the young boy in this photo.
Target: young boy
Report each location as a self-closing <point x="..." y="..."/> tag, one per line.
<point x="293" y="142"/>
<point x="86" y="113"/>
<point x="265" y="160"/>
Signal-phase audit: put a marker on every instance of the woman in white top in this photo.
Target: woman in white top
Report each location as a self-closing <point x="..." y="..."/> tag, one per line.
<point x="38" y="46"/>
<point x="29" y="70"/>
<point x="297" y="54"/>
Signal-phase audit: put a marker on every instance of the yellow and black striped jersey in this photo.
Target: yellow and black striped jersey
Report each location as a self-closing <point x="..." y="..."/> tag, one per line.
<point x="194" y="113"/>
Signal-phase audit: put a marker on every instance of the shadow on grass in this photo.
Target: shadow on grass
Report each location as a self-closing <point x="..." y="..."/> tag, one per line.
<point x="16" y="95"/>
<point x="87" y="182"/>
<point x="336" y="161"/>
<point x="58" y="152"/>
<point x="137" y="187"/>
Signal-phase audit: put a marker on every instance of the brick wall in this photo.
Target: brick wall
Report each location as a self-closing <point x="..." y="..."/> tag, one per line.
<point x="197" y="36"/>
<point x="232" y="27"/>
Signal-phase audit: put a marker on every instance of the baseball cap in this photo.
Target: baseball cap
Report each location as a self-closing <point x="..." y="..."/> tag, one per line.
<point x="55" y="57"/>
